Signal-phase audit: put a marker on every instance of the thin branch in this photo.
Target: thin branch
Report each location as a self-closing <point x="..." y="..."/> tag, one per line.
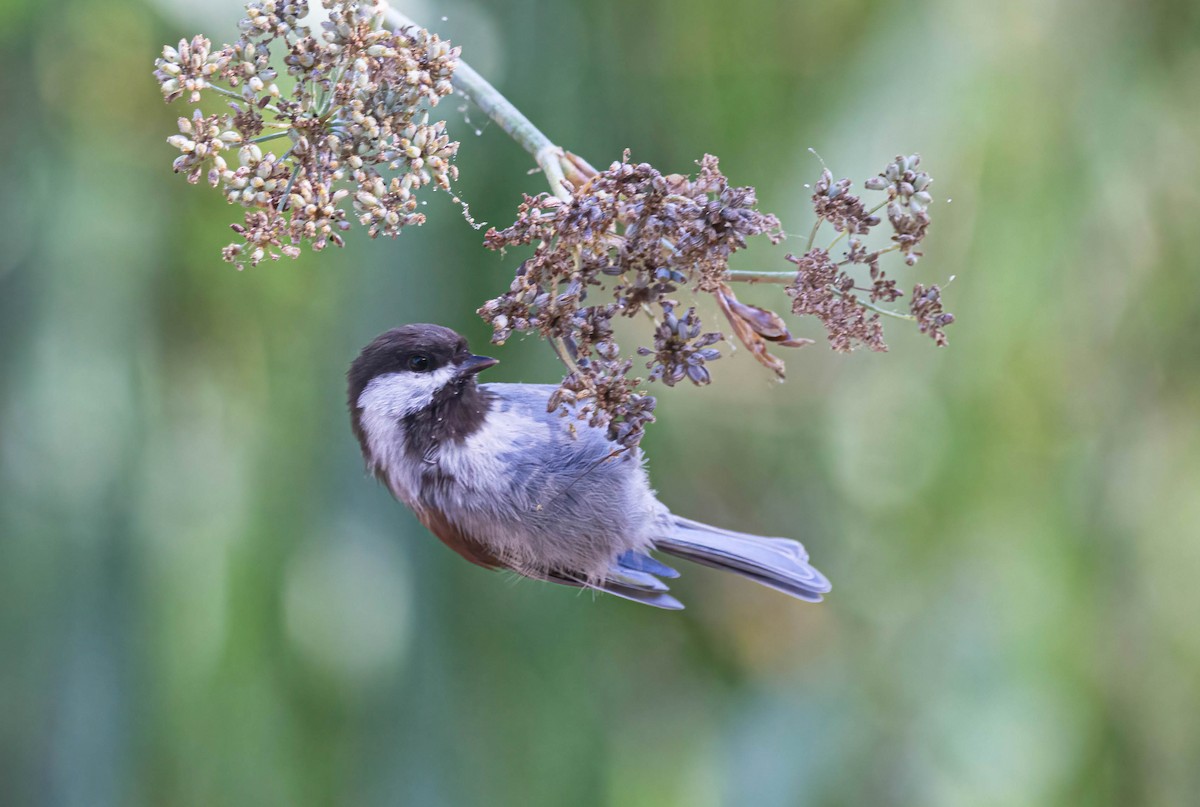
<point x="266" y="137"/>
<point x="887" y="312"/>
<point x="812" y="235"/>
<point x="742" y="276"/>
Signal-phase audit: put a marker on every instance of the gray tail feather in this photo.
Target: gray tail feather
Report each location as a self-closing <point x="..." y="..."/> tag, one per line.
<point x="779" y="563"/>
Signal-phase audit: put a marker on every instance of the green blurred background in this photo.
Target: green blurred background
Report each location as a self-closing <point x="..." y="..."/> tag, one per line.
<point x="204" y="600"/>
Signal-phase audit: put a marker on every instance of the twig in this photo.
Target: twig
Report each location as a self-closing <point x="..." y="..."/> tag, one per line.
<point x="742" y="276"/>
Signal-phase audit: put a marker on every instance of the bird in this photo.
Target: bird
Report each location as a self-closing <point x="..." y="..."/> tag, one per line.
<point x="507" y="484"/>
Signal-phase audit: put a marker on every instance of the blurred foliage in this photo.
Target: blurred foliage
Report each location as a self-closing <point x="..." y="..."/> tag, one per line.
<point x="203" y="600"/>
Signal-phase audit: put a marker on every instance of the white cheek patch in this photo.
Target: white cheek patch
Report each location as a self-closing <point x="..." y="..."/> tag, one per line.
<point x="397" y="395"/>
<point x="384" y="402"/>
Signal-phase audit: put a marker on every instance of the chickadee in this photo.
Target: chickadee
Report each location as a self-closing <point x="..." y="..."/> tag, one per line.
<point x="508" y="485"/>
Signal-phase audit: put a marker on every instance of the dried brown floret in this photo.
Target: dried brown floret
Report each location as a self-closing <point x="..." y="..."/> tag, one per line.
<point x="822" y="290"/>
<point x="600" y="392"/>
<point x="680" y="349"/>
<point x="926" y="306"/>
<point x="833" y="202"/>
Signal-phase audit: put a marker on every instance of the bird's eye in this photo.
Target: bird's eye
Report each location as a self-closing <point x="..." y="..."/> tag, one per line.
<point x="418" y="363"/>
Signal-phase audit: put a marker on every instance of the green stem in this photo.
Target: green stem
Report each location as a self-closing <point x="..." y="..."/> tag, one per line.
<point x="834" y="242"/>
<point x="741" y="276"/>
<point x="467" y="81"/>
<point x="287" y="191"/>
<point x="812" y="236"/>
<point x="265" y="138"/>
<point x="223" y="91"/>
<point x="242" y="98"/>
<point x="887" y="312"/>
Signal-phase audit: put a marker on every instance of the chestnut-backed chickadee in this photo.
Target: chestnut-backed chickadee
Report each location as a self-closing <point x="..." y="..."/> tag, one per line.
<point x="508" y="485"/>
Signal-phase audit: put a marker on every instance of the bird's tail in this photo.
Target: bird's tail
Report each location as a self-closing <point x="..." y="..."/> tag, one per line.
<point x="780" y="563"/>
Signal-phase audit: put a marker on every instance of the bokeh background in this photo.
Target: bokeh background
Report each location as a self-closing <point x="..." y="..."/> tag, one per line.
<point x="204" y="600"/>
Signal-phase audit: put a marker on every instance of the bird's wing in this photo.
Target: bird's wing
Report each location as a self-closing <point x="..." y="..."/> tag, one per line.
<point x="561" y="456"/>
<point x="568" y="472"/>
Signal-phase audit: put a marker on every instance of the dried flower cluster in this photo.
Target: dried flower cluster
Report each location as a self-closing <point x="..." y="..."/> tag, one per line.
<point x="353" y="114"/>
<point x="639" y="236"/>
<point x="629" y="239"/>
<point x="825" y="289"/>
<point x="926" y="307"/>
<point x="355" y="123"/>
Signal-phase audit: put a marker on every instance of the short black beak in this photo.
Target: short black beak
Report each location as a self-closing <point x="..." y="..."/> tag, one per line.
<point x="476" y="364"/>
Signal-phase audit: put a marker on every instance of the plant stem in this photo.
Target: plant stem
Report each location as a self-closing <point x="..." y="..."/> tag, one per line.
<point x="812" y="236"/>
<point x="887" y="312"/>
<point x="240" y="97"/>
<point x="834" y="242"/>
<point x="741" y="276"/>
<point x="467" y="81"/>
<point x="265" y="138"/>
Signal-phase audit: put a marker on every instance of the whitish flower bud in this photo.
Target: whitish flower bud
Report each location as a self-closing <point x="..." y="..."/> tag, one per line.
<point x="249" y="154"/>
<point x="255" y="83"/>
<point x="875" y="183"/>
<point x="231" y="137"/>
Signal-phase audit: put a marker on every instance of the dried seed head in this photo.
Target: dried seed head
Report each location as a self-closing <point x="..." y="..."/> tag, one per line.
<point x="358" y="118"/>
<point x="642" y="236"/>
<point x="822" y="290"/>
<point x="926" y="306"/>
